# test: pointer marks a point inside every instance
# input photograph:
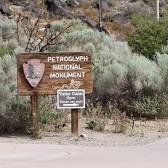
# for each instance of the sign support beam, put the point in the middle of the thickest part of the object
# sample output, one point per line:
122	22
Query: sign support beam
74	122
34	113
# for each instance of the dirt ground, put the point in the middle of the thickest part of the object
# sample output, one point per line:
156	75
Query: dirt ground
144	132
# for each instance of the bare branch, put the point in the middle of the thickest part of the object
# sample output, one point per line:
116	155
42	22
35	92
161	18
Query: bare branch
18	21
49	42
43	37
31	33
37	39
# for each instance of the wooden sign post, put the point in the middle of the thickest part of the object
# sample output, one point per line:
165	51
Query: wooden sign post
74	122
34	108
45	73
74	100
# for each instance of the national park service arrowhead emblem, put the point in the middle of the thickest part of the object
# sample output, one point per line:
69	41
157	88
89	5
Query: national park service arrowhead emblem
34	71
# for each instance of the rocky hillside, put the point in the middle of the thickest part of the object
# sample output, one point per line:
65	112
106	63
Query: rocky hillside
117	14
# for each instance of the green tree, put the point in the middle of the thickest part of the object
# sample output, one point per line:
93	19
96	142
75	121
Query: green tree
149	36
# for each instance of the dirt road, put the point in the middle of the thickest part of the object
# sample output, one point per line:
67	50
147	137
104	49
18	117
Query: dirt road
54	156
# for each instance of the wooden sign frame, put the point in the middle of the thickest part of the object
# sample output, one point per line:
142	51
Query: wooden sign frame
44	73
52	80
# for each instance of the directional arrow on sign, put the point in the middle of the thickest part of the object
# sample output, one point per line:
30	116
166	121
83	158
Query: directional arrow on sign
69	105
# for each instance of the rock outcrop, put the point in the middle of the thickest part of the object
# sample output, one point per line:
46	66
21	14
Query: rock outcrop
57	8
4	9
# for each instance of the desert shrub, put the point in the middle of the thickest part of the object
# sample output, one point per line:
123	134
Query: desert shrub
45	117
116	68
19	117
162	60
119	121
149	36
150	2
96	125
77	25
91	125
8	82
152	107
111	3
14	110
93	111
8	47
8	36
96	110
57	26
142	76
4	51
120	76
49	116
137	7
7	28
97	117
47	113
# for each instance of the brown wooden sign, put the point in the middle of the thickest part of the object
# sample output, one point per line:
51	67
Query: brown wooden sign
45	73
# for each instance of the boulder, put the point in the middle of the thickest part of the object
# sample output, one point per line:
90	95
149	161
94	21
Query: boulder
72	3
117	17
75	3
80	14
105	5
83	136
55	7
18	2
163	4
4	9
31	7
92	23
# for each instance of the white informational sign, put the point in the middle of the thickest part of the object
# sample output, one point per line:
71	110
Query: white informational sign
71	99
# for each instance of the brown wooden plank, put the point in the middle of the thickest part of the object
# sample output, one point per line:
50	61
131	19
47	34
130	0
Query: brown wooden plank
74	122
48	86
34	106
